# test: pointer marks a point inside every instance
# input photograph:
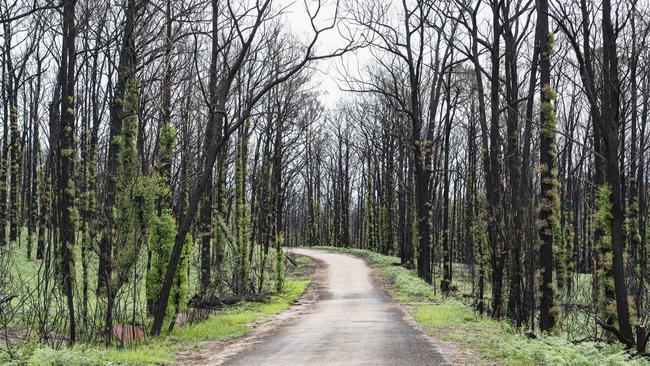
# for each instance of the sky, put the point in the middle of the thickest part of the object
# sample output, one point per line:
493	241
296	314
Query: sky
327	75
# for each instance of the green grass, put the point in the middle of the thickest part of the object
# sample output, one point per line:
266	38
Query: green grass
156	352
153	352
23	277
230	323
234	321
448	319
497	341
406	287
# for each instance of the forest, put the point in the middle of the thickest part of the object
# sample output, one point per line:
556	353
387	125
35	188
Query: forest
157	156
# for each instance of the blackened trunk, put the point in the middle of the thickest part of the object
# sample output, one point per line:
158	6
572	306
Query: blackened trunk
66	157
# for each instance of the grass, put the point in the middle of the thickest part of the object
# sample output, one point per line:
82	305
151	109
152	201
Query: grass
230	323
24	277
406	287
490	341
234	321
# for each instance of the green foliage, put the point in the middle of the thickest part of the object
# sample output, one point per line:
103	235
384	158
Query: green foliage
603	221
220	225
635	247
166	151
562	256
549	119
224	325
16	164
154	352
453	321
62	357
370	213
480	236
161	244
242	220
632	222
180	290
448	313
550	45
127	168
167	141
224	235
135	195
548	225
519	350
134	211
279	264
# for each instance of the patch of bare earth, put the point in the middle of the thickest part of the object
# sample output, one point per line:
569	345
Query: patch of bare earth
216	352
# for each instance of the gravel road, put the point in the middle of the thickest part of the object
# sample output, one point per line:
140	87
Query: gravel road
352	323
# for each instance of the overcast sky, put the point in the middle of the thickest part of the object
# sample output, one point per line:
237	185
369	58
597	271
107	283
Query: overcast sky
298	22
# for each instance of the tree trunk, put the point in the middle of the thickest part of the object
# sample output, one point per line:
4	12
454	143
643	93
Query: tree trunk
549	204
66	158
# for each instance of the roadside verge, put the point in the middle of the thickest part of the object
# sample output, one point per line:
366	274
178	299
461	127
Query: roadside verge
468	338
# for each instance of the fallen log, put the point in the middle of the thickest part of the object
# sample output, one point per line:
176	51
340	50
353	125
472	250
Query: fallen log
214	302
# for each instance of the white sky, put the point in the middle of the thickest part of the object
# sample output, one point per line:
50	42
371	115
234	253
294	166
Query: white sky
327	74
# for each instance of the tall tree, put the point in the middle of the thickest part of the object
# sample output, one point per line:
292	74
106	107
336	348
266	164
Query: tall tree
125	72
548	222
66	162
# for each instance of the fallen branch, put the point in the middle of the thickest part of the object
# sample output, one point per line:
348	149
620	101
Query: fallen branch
214	302
582	340
295	264
530	334
628	343
7	299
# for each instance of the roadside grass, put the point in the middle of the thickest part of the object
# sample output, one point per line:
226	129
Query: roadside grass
493	342
232	322
27	280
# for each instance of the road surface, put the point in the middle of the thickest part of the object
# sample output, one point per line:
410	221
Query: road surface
352	324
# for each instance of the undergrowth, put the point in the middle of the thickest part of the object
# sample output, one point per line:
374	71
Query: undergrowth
448	319
227	324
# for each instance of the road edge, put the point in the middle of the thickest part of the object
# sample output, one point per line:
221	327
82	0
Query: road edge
217	352
406	310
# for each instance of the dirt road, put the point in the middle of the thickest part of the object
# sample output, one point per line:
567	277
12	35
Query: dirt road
353	323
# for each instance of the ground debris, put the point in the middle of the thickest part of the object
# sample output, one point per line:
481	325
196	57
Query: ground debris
216	302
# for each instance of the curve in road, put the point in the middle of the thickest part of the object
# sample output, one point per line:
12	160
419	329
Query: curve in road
352	324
